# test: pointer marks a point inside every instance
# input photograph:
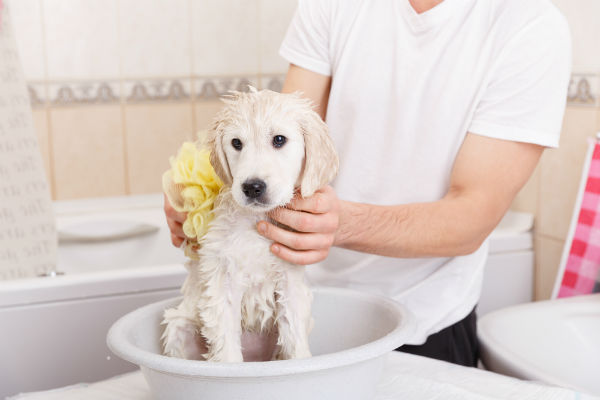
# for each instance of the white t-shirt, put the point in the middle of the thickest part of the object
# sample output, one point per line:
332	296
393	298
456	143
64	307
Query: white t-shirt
406	88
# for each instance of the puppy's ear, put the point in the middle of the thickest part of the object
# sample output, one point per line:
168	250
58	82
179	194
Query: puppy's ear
320	160
218	160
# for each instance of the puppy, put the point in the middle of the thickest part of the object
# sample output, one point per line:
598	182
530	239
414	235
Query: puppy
264	146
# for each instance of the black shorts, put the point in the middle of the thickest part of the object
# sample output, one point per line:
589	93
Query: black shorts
456	344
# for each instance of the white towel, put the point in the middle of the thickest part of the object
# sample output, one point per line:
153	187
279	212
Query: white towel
406	377
409	377
131	386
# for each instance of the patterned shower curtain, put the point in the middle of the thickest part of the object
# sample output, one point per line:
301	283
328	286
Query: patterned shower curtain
579	272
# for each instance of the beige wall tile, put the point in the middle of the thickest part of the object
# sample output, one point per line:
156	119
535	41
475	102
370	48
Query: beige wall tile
205	113
154	133
527	199
561	172
548	252
40	123
87	144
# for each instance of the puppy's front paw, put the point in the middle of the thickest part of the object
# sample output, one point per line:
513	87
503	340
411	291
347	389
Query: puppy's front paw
230	356
180	338
294	354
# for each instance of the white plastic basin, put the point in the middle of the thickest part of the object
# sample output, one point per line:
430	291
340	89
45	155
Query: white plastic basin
556	342
352	333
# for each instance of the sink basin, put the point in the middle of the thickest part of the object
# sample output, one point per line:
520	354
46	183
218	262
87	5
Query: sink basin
555	341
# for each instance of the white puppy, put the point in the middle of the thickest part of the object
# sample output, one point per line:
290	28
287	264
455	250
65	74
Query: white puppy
264	146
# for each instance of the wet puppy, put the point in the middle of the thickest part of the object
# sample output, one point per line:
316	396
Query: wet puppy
265	146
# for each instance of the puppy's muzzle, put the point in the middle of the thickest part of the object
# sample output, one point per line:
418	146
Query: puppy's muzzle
254	188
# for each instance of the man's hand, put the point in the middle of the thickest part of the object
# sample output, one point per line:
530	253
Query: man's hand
316	221
175	221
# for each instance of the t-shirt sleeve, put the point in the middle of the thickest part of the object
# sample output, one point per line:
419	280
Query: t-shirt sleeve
526	96
306	42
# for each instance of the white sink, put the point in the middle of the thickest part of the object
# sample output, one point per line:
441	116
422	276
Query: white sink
556	342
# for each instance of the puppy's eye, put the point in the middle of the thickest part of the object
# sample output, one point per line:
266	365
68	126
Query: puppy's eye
279	140
236	143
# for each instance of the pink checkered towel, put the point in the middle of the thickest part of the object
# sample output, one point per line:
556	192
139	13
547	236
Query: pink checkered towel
579	271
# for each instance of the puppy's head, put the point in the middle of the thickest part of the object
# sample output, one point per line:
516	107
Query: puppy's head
265	145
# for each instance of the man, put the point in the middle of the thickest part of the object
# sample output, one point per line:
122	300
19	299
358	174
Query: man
440	111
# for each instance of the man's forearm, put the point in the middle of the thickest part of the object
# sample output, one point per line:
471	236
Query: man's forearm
449	227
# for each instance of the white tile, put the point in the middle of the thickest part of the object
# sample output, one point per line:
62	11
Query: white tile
155	38
225	37
26	18
275	17
81	39
585	31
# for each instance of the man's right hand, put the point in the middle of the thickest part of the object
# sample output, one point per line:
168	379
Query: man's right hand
175	221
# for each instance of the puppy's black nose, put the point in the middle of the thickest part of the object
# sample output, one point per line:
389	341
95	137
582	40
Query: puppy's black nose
254	188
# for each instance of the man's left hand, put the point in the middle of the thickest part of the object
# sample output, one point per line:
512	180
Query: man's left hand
315	220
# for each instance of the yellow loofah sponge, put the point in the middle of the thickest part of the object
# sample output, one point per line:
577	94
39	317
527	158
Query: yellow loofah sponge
191	185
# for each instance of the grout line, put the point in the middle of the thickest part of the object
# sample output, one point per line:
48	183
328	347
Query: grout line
108	79
125	149
258	45
536	258
582	105
191	77
538	212
126	178
119	39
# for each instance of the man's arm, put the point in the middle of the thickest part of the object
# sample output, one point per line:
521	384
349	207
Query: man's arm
486	176
312	85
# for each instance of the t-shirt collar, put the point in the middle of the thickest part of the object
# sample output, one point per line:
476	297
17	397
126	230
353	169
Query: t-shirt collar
430	18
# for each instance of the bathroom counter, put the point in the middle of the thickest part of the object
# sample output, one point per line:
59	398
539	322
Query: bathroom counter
405	377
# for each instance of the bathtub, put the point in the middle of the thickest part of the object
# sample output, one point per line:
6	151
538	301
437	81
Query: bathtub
115	255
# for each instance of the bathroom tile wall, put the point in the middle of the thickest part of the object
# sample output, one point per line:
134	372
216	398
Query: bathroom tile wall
147	139
552	190
116	85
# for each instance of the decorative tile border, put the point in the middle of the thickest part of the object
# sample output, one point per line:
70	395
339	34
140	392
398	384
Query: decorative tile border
213	88
272	82
87	92
37	94
142	91
157	90
584	90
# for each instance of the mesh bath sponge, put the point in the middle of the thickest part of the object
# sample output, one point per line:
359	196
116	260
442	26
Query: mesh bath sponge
191	185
